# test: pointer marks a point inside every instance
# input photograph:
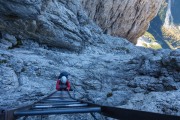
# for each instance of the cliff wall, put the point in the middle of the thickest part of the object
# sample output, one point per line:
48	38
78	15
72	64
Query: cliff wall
175	11
50	21
58	23
124	18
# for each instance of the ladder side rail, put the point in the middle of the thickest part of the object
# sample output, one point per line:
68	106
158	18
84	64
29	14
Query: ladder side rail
9	114
128	114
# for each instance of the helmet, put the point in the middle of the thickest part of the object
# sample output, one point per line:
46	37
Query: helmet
63	79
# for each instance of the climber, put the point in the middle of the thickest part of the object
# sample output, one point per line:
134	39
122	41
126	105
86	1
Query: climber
63	82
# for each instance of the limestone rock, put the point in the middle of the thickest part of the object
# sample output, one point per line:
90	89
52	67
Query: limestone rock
8	80
125	18
158	103
10	38
56	23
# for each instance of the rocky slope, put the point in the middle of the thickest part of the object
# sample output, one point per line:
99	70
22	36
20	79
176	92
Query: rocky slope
108	74
105	70
123	18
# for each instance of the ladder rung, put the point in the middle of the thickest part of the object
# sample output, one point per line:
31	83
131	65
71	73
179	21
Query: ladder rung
65	103
61	111
63	99
45	101
59	106
58	97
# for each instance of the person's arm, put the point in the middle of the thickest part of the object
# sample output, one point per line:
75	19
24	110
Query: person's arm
57	85
68	85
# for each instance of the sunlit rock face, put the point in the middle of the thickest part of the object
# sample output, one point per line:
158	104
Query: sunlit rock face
124	18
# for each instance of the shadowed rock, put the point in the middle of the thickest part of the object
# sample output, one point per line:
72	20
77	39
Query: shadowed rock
60	24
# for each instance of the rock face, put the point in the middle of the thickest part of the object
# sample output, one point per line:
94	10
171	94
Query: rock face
175	8
50	21
57	23
124	18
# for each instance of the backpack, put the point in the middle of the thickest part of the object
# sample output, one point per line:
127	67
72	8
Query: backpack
64	74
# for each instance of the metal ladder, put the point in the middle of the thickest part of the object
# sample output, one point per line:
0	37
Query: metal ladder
59	102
